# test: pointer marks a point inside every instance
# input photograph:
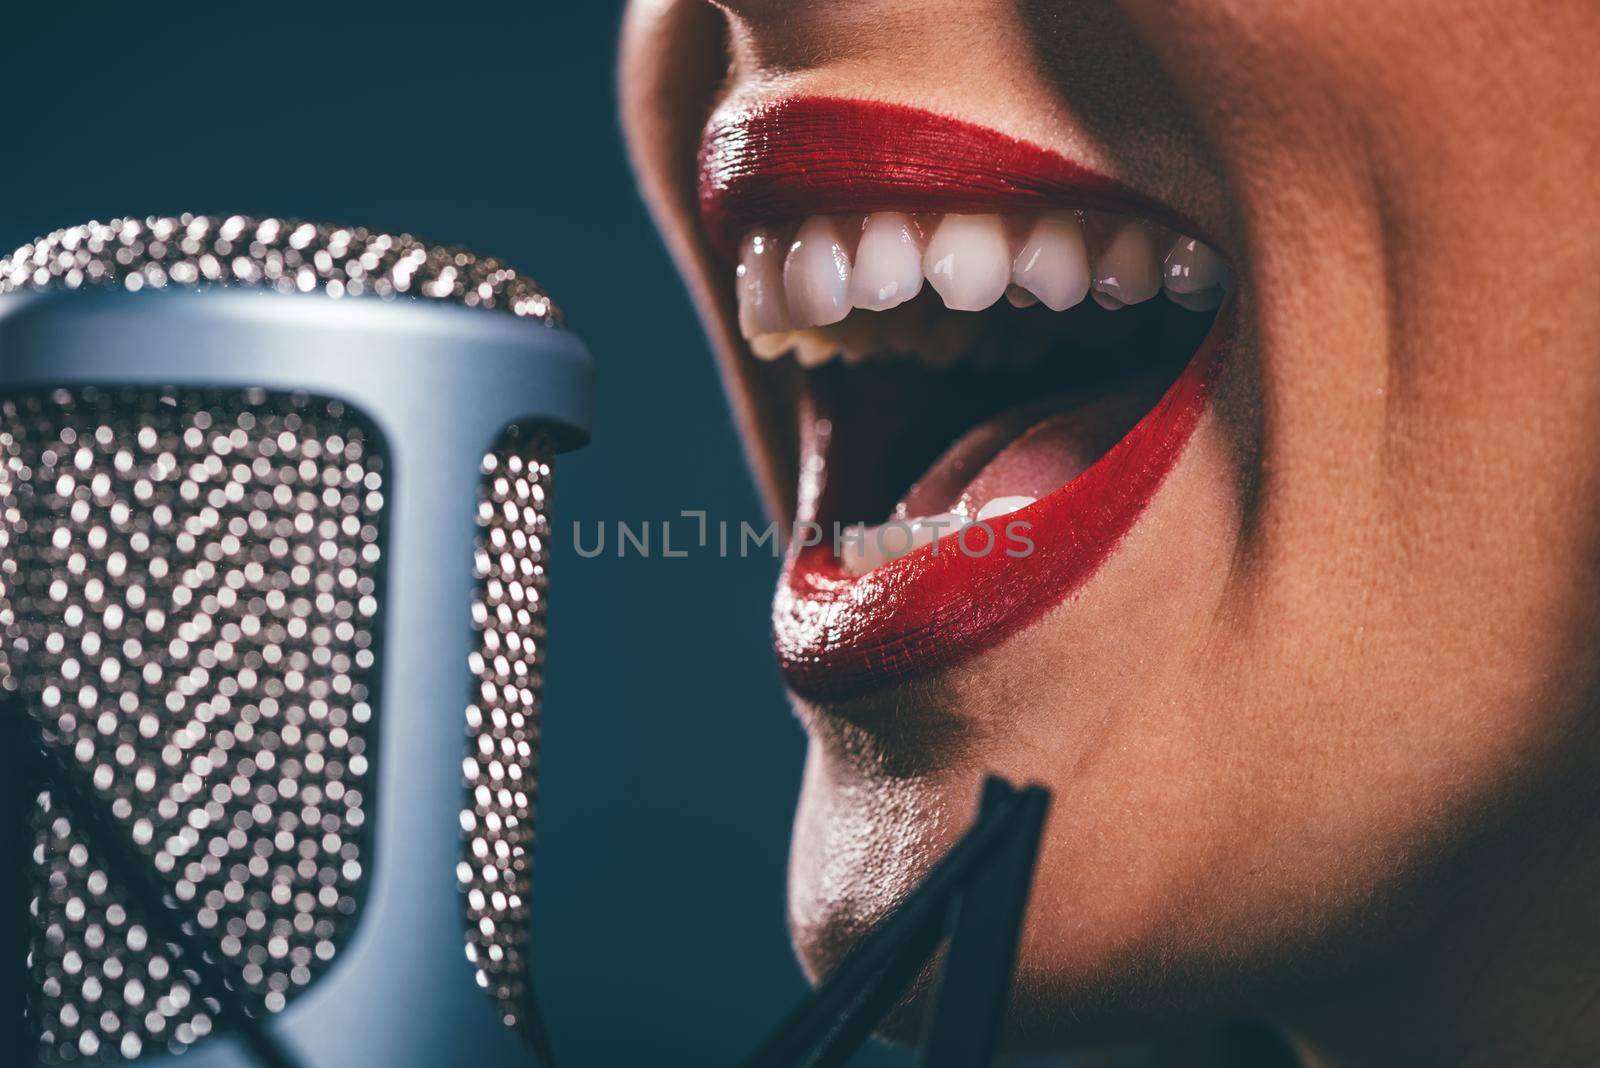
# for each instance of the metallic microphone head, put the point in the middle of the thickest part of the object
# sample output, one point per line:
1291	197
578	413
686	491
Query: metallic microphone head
250	537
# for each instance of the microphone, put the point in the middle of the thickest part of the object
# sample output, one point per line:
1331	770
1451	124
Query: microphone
274	507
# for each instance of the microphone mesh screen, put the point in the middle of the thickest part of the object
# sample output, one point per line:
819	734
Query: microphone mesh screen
503	720
189	583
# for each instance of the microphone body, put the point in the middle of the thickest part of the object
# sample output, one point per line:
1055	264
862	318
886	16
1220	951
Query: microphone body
260	549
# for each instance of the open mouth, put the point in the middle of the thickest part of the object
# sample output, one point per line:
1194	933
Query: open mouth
993	358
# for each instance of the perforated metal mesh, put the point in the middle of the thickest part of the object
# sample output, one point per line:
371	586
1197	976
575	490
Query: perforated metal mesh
503	721
107	988
188	587
288	255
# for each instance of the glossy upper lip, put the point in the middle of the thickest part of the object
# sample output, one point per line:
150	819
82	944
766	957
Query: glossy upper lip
778	160
838	637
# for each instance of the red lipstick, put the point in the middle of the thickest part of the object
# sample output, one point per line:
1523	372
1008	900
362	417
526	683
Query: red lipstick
839	636
784	160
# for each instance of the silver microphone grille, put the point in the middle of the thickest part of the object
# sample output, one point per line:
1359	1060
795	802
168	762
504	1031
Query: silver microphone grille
188	586
503	721
287	255
193	611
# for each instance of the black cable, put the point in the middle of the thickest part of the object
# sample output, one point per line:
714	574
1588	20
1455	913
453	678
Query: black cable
839	1015
534	1031
18	792
131	868
975	984
872	1000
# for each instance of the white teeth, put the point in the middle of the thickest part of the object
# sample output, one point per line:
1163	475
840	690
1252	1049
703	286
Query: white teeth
929	529
867	548
798	299
888	265
1191	267
1126	271
1003	506
762	306
1054	264
969	261
816	274
859	552
1193	276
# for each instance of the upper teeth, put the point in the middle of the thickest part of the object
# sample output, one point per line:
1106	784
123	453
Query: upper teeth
1192	271
876	262
763	307
968	261
1054	264
1126	272
888	263
816	274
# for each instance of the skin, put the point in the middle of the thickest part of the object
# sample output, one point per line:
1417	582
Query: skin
1321	735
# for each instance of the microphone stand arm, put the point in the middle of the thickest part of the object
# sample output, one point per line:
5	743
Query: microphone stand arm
977	895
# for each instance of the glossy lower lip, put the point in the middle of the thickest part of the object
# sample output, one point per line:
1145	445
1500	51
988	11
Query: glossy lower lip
839	637
783	160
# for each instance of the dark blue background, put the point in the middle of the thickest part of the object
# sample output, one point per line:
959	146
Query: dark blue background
671	763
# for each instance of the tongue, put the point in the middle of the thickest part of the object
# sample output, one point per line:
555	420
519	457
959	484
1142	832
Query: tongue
1027	452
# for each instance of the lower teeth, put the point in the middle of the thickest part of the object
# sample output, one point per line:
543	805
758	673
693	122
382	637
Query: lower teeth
866	548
